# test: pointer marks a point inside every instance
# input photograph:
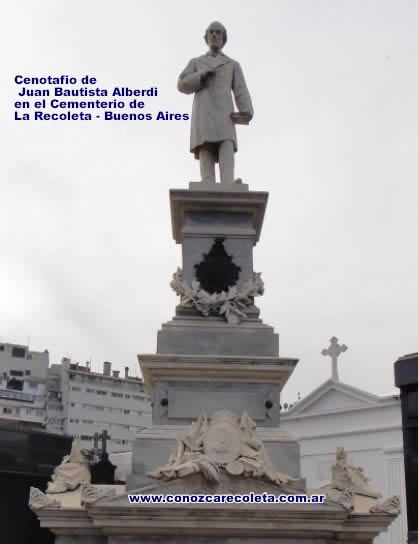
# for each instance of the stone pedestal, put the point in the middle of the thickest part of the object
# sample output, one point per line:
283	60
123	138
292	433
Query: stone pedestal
203	363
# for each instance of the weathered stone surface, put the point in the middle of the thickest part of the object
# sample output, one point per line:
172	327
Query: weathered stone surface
212	78
198	368
217	203
185	336
180	401
391	506
223	187
345	476
153	446
38	500
71	472
225	442
90	494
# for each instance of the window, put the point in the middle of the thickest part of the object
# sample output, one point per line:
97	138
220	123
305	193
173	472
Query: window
28	411
127	396
16	373
87	421
73	405
119	395
34	386
76	389
39	413
101	392
29	356
89	390
27	372
126	426
15	384
19	352
1	348
7	410
126	411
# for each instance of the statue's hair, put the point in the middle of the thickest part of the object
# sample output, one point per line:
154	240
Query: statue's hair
219	25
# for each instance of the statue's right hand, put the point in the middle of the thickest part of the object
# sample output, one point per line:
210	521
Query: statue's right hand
205	74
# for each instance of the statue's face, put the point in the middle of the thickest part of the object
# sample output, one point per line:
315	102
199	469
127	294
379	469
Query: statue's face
215	37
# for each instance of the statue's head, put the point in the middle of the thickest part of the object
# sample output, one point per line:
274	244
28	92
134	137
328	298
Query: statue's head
215	35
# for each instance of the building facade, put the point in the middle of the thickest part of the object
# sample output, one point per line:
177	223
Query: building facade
369	427
93	402
23	393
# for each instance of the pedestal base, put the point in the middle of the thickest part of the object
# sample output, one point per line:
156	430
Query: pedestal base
152	447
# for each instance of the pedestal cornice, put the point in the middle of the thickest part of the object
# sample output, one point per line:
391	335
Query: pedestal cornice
276	370
185	200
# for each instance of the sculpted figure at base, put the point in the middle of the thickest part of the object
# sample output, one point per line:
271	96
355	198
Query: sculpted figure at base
211	78
226	443
345	476
71	472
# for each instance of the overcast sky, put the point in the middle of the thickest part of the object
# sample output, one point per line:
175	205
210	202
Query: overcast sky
85	230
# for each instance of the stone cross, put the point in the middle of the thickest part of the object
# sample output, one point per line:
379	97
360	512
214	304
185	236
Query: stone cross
104	437
334	350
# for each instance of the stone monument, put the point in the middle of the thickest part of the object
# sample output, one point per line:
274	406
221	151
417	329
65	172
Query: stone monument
216	377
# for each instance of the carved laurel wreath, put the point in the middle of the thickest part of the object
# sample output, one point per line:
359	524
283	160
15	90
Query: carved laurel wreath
229	303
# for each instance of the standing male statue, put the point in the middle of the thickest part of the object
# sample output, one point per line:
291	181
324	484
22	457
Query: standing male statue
212	77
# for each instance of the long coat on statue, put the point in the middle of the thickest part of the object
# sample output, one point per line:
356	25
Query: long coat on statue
212	104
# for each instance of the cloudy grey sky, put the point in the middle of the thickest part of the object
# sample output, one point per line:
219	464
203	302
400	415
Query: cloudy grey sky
85	235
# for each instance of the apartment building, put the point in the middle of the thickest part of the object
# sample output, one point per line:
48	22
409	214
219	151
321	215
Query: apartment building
93	402
23	377
69	398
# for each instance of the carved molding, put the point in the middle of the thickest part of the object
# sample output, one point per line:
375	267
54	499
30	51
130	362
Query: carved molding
39	500
90	494
391	507
231	303
345	476
343	498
